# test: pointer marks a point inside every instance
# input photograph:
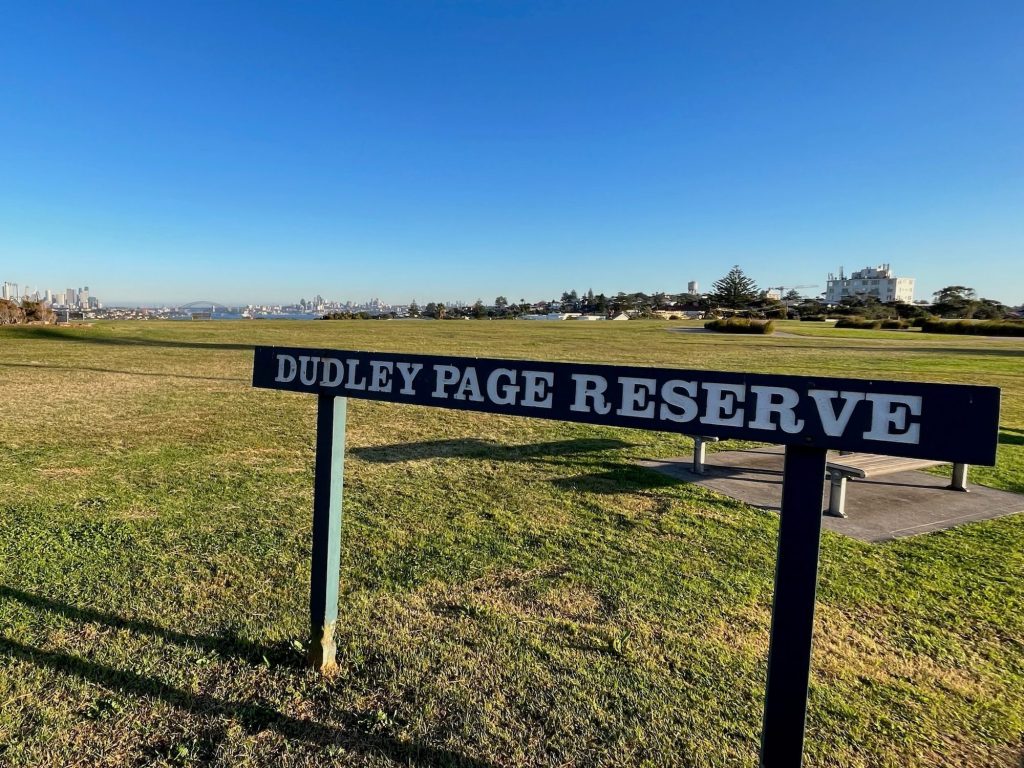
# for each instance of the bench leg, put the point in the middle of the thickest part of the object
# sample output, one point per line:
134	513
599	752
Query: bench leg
959	480
837	495
699	455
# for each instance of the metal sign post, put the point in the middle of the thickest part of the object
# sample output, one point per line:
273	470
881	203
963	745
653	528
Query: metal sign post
809	415
326	560
796	580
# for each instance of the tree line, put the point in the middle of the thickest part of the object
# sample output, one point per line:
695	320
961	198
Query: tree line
734	293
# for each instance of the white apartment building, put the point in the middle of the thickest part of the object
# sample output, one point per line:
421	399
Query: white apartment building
876	282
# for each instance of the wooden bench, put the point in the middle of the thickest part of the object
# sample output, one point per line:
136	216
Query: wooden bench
865	465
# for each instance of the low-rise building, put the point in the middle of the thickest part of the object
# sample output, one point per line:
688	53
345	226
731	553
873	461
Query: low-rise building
870	282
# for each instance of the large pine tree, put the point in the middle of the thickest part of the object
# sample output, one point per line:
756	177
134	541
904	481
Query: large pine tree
735	290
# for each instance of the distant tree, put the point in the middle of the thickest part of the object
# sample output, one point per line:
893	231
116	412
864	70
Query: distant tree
735	290
954	293
989	309
500	304
441	311
570	301
909	311
687	299
659	301
479	310
600	304
868	307
414	309
811	307
10	313
792	295
430	310
37	312
955	301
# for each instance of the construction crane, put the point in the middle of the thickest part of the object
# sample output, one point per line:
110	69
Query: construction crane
782	289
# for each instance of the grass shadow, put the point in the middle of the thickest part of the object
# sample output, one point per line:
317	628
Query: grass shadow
982	351
50	333
471	448
253	716
280	654
618	478
1006	438
80	368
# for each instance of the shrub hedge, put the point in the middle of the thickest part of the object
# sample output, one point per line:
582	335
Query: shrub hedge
741	325
860	323
975	328
872	325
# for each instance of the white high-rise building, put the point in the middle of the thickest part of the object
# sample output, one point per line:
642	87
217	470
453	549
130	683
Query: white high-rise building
870	282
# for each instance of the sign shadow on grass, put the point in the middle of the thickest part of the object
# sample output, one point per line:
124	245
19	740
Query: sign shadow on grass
152	374
49	333
350	733
1006	438
473	448
227	644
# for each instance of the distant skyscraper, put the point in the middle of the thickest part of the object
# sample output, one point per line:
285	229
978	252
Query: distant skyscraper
83	296
69	297
5	292
49	296
692	287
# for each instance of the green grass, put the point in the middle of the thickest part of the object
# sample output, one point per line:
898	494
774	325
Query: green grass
515	591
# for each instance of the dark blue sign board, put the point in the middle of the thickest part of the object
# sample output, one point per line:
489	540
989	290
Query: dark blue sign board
944	422
808	414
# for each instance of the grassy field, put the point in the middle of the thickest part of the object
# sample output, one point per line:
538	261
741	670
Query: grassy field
514	591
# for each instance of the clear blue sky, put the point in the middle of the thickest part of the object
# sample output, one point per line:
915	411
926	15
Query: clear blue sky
253	151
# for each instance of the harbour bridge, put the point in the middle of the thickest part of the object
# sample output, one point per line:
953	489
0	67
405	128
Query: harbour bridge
205	305
204	309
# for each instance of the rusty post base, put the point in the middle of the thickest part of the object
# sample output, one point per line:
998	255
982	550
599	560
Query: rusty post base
323	651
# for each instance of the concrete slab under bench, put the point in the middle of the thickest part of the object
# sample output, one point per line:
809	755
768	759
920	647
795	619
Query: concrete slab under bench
878	509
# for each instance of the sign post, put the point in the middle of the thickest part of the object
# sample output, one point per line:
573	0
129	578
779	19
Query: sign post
326	560
809	415
796	579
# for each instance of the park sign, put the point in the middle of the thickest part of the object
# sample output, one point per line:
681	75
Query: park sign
808	414
927	421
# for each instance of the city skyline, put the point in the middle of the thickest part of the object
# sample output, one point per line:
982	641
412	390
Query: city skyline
517	148
13	290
